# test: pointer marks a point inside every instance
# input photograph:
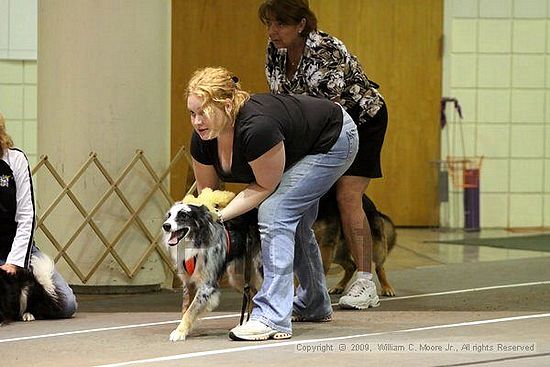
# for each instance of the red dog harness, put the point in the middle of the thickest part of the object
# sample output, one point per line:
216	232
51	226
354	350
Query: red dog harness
189	264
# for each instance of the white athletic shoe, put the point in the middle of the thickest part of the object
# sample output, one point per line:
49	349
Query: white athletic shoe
255	330
360	295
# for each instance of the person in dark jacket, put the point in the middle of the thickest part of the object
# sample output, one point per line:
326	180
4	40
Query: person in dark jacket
18	218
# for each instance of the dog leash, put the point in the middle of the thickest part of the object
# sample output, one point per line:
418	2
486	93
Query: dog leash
247	266
246	289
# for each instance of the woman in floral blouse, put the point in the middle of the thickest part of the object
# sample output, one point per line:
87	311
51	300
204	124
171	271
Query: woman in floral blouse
303	60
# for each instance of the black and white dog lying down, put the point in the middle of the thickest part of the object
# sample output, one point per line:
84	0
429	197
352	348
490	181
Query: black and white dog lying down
29	294
203	249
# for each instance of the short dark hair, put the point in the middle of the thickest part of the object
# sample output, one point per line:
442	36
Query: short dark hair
288	12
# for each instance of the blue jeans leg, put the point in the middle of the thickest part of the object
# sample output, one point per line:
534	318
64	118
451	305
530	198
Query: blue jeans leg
69	304
68	299
279	215
312	300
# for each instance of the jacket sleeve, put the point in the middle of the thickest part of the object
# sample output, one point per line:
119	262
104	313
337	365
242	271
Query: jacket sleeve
25	212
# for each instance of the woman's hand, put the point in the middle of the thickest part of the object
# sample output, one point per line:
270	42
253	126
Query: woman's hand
9	268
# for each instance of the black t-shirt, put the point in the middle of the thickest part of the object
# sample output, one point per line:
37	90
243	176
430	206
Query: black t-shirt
307	125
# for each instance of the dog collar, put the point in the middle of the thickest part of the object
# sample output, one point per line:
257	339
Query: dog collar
189	264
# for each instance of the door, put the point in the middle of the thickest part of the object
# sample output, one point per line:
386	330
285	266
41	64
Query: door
398	42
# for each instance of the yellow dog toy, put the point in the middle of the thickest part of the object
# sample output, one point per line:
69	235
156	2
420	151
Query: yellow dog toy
212	199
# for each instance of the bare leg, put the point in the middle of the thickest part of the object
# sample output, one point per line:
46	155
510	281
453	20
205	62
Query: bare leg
349	193
362	293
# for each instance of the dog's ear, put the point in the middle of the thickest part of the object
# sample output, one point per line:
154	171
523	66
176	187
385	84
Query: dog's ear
204	210
202	217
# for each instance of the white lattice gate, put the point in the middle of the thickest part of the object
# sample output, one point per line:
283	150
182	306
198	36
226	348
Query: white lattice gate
111	240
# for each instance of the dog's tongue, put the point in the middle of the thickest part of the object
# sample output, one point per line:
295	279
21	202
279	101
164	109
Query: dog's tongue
173	239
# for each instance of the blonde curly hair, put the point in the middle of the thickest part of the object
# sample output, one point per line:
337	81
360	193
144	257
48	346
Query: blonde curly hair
5	140
216	85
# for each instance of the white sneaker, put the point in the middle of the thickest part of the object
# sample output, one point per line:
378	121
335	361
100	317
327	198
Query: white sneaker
360	295
255	330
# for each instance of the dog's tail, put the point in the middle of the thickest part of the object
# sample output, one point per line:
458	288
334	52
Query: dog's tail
391	234
43	270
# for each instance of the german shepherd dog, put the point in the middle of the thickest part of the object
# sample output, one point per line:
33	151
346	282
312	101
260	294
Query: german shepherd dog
328	232
203	249
29	294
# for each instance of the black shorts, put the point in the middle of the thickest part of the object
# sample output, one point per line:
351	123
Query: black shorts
371	138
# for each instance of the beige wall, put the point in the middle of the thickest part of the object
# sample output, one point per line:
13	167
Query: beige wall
103	86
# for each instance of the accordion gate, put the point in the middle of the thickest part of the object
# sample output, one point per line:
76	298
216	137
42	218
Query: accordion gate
87	215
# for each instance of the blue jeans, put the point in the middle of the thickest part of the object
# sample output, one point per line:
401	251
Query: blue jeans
68	298
288	243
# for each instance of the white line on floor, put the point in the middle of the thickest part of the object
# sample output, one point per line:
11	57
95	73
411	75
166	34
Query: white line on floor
110	328
237	315
466	290
309	341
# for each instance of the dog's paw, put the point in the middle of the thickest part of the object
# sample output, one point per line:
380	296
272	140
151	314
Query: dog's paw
387	291
27	316
177	335
335	290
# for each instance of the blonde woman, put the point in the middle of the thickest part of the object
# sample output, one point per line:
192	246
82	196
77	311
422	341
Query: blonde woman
17	218
289	150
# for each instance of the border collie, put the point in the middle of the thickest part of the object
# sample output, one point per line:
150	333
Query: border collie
203	249
29	294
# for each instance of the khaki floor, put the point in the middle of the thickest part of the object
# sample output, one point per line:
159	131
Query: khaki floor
455	306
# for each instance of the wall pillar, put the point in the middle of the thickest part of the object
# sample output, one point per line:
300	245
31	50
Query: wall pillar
104	87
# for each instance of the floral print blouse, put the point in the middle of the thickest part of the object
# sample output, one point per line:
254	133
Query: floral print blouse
328	70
